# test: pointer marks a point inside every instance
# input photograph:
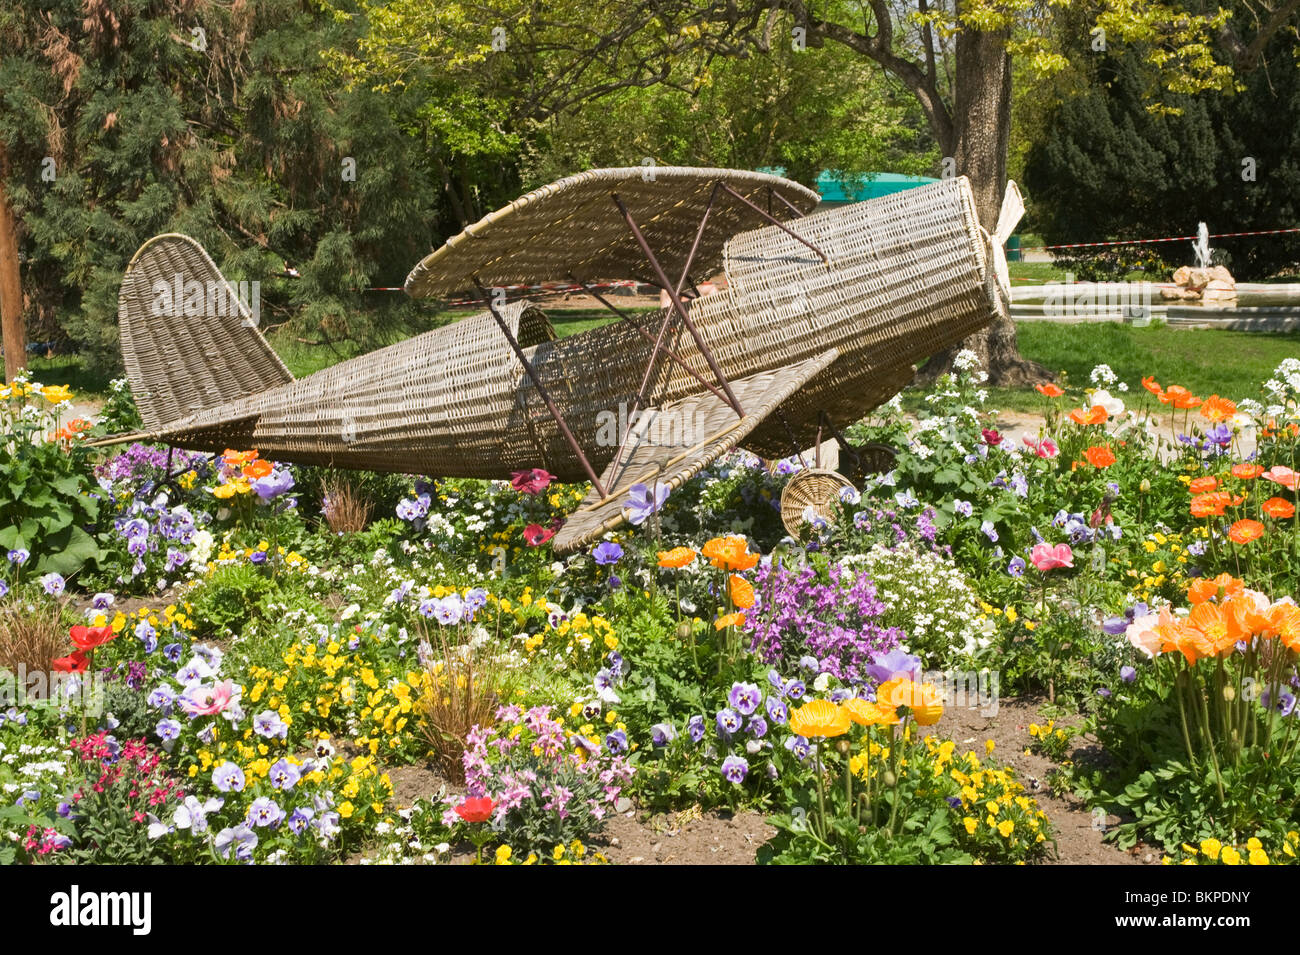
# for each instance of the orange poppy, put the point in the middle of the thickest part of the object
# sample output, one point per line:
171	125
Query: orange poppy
921	699
1284	620
1188	641
730	620
1153	386
1245	531
1218	409
1049	390
729	553
1100	456
1278	508
1203	485
1207	588
1220	626
1247	470
741	592
863	712
1179	397
234	459
819	718
1212	504
1088	416
677	557
1271	429
257	469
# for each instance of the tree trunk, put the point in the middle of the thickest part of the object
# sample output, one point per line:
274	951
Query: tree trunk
982	127
11	292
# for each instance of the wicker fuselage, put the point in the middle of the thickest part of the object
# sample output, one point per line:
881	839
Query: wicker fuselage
908	276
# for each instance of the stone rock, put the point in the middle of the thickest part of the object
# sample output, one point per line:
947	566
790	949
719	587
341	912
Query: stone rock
1169	294
1220	273
1182	276
1220	293
623	805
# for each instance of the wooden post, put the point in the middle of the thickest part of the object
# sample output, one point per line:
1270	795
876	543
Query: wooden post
11	292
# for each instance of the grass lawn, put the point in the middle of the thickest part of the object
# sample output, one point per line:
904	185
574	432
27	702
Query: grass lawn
1208	361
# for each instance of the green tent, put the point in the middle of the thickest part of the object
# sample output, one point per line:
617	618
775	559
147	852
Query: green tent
839	188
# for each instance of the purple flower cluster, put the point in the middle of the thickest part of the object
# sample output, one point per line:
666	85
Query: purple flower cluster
146	463
835	620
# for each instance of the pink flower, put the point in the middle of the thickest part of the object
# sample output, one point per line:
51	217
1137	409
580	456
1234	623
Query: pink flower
1046	557
1044	448
991	437
1282	475
1146	633
531	481
207	700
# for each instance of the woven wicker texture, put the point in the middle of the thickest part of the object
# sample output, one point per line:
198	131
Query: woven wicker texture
573	226
816	488
671	444
908	277
188	342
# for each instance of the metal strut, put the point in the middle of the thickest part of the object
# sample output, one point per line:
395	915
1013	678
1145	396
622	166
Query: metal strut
677	305
776	222
634	323
541	390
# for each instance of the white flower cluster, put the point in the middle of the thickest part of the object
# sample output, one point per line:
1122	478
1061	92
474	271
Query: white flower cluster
931	600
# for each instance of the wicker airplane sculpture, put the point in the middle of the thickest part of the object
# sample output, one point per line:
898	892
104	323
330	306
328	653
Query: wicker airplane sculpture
820	320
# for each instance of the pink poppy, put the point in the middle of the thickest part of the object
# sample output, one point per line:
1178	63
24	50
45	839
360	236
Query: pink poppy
1142	633
531	481
1282	475
207	700
1045	448
1046	557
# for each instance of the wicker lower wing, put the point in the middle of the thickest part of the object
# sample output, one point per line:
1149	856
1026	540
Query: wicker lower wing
656	453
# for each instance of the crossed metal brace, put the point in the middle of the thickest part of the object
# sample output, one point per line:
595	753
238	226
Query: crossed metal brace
677	308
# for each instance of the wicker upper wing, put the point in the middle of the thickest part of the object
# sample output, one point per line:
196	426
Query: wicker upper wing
573	227
671	444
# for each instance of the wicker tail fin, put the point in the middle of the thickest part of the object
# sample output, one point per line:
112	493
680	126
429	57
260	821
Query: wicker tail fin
189	338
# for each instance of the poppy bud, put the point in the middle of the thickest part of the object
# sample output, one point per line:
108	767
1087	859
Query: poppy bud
889	779
684	630
843	746
1144	486
1229	693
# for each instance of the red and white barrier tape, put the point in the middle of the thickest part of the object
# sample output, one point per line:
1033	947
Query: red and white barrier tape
1172	238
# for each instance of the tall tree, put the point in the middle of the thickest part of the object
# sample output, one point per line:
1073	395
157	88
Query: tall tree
954	56
125	119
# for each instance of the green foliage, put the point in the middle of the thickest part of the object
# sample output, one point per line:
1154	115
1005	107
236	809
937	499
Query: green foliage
46	505
227	600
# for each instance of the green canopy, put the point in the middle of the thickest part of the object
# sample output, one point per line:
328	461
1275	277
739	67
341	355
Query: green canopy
837	188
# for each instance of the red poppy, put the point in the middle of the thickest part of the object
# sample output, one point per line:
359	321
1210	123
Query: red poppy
536	534
531	481
87	638
476	809
991	437
75	662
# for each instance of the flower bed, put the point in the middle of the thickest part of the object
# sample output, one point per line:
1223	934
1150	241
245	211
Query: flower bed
221	674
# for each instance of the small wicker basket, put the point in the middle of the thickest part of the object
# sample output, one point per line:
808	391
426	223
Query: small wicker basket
859	462
818	488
